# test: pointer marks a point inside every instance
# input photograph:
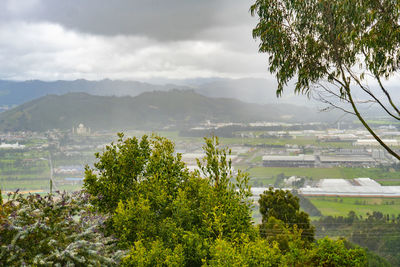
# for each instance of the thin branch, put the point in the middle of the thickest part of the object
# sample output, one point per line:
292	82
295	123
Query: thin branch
332	92
357	113
387	95
371	94
333	105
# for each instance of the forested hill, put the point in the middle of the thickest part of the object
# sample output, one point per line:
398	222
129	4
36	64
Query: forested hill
148	110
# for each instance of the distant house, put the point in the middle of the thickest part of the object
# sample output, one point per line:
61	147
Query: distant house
81	130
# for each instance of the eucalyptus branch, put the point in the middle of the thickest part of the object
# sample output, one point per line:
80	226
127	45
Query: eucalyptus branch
387	95
366	90
332	105
377	138
332	93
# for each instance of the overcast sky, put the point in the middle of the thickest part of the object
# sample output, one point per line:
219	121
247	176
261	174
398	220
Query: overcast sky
128	39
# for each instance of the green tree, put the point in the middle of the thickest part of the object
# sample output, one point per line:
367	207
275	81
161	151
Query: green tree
335	253
283	206
334	48
163	212
118	171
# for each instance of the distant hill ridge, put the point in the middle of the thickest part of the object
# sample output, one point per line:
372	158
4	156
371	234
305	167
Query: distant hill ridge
251	90
149	110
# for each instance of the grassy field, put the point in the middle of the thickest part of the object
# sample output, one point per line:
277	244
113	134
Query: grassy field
340	206
301	141
39	183
320	173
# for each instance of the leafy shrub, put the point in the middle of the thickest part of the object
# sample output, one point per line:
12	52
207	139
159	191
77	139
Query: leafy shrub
163	206
54	229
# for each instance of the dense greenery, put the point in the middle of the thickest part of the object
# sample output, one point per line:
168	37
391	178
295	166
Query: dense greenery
376	231
284	206
159	207
166	215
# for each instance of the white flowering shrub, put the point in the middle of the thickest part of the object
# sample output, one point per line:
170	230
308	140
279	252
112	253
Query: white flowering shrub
54	230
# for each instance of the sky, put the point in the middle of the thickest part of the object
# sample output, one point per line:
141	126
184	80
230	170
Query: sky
128	40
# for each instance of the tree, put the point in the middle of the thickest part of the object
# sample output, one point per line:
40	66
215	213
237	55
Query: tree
284	206
163	213
334	48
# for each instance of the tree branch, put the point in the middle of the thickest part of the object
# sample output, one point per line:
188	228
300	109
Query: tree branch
361	119
387	95
371	94
377	138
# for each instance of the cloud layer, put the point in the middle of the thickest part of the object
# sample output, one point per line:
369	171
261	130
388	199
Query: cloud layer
127	39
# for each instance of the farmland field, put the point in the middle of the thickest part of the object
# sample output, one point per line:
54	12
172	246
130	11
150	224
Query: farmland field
320	173
340	206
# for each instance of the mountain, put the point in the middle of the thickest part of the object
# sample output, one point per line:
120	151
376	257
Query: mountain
149	110
261	91
252	90
17	92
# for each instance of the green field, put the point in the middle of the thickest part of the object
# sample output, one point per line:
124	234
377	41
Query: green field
301	141
340	206
320	173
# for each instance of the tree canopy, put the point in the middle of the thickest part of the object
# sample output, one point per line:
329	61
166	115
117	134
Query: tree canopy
334	49
284	206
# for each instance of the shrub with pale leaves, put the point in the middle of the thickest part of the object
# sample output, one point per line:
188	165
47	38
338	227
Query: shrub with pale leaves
54	230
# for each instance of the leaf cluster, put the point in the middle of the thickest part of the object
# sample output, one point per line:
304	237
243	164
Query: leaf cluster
54	230
162	210
321	39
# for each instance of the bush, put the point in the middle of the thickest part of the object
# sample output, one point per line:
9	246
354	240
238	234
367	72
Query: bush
55	229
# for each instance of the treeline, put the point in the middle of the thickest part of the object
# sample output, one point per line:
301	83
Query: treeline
376	231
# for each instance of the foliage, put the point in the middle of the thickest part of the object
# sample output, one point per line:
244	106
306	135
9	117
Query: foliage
378	232
261	252
248	253
169	216
163	211
55	230
284	206
333	45
335	253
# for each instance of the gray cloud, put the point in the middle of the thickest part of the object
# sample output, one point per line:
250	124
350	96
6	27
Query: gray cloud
158	19
127	39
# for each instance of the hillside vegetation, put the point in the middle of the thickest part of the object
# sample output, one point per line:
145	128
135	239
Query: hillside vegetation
146	111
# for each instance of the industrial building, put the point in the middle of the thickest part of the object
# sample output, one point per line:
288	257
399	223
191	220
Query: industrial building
289	161
347	161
